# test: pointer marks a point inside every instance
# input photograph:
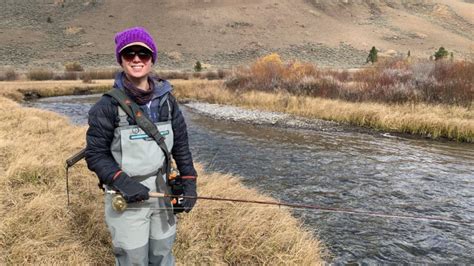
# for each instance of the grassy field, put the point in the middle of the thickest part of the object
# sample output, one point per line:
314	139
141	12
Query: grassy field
37	226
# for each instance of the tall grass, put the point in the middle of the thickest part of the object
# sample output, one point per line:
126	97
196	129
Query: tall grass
8	73
40	74
37	227
390	81
74	71
101	73
209	75
433	121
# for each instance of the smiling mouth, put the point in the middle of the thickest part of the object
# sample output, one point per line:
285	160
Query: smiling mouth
137	69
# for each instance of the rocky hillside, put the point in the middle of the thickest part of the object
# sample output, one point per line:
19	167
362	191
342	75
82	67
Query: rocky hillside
223	33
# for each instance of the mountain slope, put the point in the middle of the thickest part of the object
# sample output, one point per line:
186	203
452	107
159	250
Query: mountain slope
228	32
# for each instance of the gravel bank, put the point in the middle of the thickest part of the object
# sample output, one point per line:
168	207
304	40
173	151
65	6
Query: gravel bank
257	117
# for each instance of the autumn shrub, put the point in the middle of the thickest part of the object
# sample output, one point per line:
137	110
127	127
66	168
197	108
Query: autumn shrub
70	75
86	77
454	82
40	74
269	73
221	73
342	75
435	82
390	80
8	74
73	66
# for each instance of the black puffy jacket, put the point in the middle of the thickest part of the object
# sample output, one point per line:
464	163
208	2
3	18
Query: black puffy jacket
103	119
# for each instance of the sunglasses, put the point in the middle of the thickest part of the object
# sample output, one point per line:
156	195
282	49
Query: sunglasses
129	55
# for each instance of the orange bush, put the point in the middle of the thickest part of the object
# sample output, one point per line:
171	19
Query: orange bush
394	80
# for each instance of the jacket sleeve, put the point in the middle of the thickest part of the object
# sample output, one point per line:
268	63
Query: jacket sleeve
99	138
181	153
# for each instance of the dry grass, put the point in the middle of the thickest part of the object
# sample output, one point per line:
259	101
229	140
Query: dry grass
186	75
435	121
242	233
18	90
37	227
74	71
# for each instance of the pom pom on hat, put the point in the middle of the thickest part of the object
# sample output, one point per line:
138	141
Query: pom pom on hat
134	36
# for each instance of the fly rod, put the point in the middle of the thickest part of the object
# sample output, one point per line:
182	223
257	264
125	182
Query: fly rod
119	204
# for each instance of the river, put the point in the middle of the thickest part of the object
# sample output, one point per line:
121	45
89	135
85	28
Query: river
346	168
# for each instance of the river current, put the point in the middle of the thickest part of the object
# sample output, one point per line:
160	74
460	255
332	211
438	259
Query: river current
348	169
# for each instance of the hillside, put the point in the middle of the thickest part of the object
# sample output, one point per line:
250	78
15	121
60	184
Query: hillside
224	33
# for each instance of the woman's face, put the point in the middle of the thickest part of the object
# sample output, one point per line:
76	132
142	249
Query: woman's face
136	61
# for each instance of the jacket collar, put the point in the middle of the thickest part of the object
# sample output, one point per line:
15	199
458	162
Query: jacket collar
160	86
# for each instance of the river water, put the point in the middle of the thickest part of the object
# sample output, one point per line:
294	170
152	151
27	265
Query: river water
343	169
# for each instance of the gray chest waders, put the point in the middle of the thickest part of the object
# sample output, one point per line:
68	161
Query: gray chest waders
142	150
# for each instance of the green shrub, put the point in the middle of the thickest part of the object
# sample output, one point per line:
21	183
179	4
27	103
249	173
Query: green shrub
441	53
372	57
198	66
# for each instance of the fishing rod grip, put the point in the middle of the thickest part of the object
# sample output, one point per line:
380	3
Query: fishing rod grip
76	158
156	195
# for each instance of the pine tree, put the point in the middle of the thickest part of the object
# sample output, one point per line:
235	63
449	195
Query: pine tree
197	66
441	53
372	55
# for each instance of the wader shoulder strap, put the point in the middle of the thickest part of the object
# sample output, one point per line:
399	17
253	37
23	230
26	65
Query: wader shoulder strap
134	111
162	101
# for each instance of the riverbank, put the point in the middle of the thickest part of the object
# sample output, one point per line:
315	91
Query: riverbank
430	121
37	227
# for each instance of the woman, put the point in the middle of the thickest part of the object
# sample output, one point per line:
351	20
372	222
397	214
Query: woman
128	161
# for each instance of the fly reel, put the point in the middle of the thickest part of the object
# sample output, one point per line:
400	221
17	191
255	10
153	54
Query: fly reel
118	203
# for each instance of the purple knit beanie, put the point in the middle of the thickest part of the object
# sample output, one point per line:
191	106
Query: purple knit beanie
134	36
